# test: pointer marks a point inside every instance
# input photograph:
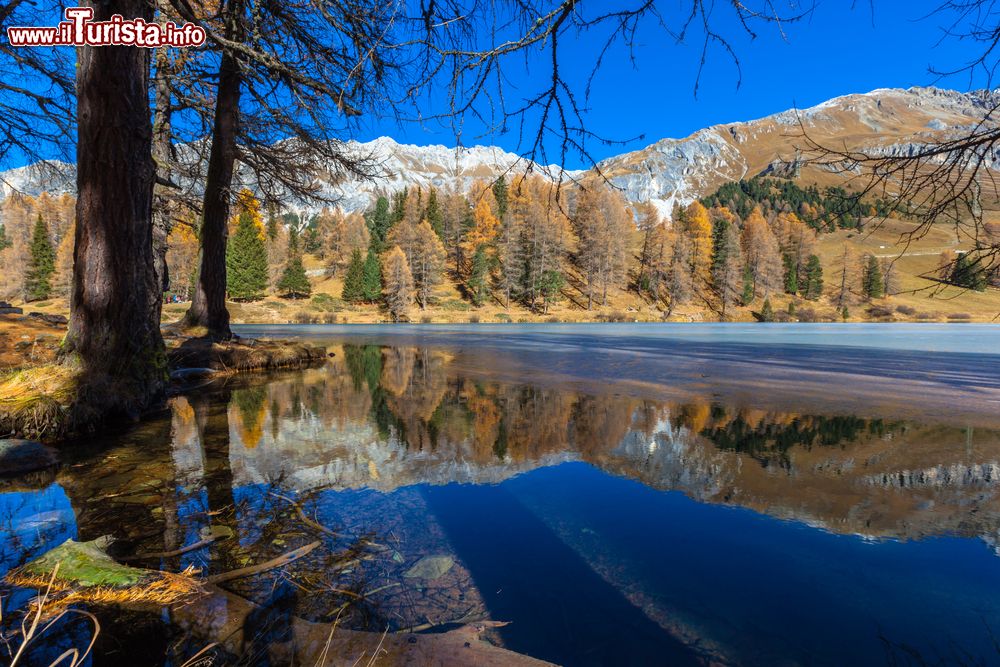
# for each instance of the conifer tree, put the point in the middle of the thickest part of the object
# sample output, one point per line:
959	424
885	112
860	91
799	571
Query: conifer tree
791	274
246	259
680	272
38	282
873	278
747	296
767	311
379	222
354	280
479	275
372	277
398	284
550	285
433	214
699	230
814	279
500	194
4	241
968	273
294	283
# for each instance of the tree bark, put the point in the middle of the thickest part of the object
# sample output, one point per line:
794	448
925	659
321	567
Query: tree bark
208	308
162	158
114	329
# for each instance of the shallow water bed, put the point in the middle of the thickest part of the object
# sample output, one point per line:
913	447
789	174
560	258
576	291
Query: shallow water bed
608	522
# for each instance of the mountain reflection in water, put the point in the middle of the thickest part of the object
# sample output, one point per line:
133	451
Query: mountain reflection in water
609	529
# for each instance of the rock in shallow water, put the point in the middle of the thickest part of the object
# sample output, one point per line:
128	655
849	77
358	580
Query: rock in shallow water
430	567
18	457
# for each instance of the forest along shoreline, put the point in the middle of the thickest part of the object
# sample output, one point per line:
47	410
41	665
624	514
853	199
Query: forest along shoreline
39	399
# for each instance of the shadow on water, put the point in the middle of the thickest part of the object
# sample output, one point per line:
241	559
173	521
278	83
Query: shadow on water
565	612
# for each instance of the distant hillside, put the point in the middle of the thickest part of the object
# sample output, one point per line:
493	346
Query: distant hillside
667	172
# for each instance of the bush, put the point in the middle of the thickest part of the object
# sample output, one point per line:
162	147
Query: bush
616	316
426	319
959	316
906	310
553	320
456	305
503	317
329	318
474	319
303	317
926	316
326	302
880	312
807	315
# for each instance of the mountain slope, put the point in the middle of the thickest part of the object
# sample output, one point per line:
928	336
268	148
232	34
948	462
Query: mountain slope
667	172
885	120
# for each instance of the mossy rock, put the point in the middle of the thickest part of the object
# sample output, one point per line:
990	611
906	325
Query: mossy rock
85	565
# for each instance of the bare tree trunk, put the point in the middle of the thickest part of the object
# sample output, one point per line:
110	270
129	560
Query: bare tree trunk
208	309
114	328
162	157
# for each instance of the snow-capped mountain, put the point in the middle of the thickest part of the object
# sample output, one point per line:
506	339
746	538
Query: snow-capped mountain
669	171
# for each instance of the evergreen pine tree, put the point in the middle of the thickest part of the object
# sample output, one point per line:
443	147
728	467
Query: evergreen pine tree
38	282
791	274
294	283
767	311
246	260
433	214
4	241
479	275
814	281
844	313
379	223
500	193
872	282
968	273
372	277
720	249
354	280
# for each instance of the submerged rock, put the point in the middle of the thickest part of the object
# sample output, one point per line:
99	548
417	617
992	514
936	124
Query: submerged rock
430	567
19	457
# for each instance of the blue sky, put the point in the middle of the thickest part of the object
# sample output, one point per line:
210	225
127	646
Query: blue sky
836	51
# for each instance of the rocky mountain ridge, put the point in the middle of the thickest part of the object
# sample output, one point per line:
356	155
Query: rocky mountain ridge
667	172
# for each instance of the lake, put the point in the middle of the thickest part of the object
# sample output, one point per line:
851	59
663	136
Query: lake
620	494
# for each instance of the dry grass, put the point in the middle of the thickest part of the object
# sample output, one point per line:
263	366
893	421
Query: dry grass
161	588
36	401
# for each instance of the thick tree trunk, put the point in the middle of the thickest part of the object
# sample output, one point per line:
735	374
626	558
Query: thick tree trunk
114	329
208	309
163	158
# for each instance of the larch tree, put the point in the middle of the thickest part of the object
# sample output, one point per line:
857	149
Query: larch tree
728	271
428	262
114	329
283	74
603	226
485	226
510	256
398	284
680	279
847	277
762	255
456	222
182	260
698	228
